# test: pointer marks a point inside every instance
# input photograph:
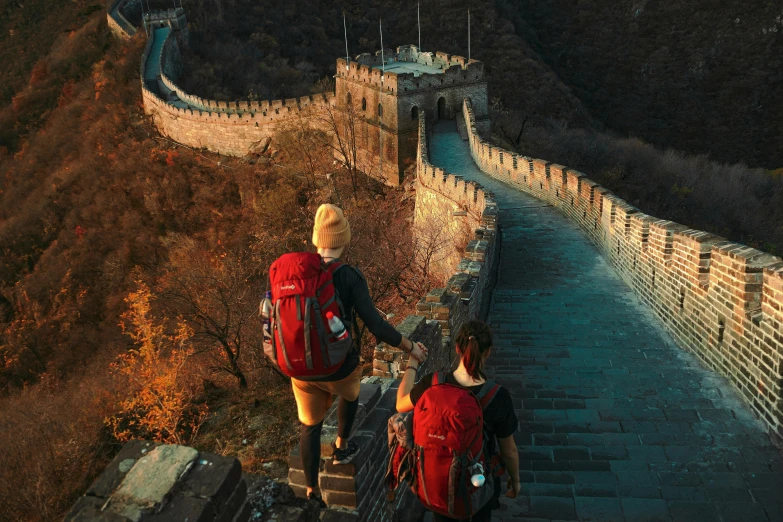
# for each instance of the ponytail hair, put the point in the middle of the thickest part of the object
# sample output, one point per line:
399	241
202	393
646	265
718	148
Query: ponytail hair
473	340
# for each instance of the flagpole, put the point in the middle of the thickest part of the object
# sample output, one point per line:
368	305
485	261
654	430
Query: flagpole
383	61
468	34
418	20
347	57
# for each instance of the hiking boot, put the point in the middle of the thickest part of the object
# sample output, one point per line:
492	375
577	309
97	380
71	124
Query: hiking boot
345	455
317	498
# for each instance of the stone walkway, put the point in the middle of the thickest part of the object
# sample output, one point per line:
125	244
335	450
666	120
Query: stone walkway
616	421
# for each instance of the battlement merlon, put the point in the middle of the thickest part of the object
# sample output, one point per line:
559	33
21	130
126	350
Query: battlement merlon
407	69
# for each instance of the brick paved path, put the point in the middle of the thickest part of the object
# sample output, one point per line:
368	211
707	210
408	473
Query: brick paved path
617	422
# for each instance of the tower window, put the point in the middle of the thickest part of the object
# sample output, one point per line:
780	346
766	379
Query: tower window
364	104
414	112
380	110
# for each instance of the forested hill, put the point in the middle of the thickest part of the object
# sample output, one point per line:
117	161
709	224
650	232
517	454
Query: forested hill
702	76
279	48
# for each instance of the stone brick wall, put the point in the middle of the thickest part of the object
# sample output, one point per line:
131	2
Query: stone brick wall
455	223
149	482
721	300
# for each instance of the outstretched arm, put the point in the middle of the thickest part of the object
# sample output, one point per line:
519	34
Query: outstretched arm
408	380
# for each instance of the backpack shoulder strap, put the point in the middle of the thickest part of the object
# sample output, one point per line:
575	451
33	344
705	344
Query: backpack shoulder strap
487	393
438	378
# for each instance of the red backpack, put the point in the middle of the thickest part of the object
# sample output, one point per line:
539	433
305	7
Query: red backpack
448	447
302	345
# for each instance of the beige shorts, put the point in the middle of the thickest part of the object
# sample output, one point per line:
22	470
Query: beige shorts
313	399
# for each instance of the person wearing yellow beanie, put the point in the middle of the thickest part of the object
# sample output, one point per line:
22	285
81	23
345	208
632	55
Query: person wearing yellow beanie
331	230
331	234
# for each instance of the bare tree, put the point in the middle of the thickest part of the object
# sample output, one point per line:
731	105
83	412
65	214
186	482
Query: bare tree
341	125
304	145
212	292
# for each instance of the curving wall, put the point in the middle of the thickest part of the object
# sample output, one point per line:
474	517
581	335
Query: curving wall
721	300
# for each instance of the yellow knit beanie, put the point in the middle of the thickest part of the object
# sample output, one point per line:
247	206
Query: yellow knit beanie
331	229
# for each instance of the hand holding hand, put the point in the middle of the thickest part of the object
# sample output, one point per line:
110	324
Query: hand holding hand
419	352
513	489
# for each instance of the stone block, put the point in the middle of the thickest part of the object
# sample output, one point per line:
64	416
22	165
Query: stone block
182	507
336	483
234	504
88	509
458	283
411	324
151	480
334	515
243	515
339	498
213	477
115	472
436	295
369	395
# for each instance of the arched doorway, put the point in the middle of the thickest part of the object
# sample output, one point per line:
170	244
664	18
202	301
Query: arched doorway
414	112
442	114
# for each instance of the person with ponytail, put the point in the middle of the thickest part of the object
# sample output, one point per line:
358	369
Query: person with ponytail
473	345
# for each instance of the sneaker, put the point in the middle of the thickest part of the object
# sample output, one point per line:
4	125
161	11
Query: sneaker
346	455
317	498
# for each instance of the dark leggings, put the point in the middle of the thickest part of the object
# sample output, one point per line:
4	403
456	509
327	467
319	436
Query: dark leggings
310	439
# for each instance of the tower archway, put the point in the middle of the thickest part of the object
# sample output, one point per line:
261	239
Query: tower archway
442	112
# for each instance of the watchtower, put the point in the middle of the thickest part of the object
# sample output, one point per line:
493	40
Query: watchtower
386	92
173	18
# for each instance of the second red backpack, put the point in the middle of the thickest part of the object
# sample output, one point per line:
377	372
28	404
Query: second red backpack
449	447
303	292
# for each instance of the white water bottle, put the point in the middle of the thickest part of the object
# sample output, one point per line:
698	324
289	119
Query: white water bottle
266	315
478	475
336	326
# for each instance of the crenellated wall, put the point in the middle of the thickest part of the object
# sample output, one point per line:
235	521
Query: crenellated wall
119	25
721	300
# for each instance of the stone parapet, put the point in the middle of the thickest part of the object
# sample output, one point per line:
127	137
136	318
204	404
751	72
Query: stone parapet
118	24
718	299
356	491
150	482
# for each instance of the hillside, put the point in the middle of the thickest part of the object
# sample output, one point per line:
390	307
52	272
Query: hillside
98	215
701	76
278	49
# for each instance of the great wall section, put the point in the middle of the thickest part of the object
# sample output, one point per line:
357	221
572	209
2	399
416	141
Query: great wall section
609	430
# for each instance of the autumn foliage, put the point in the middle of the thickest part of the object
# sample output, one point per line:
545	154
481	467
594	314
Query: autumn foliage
160	397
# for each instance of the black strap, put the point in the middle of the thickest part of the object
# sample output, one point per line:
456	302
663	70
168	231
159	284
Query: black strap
308	347
280	336
322	333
